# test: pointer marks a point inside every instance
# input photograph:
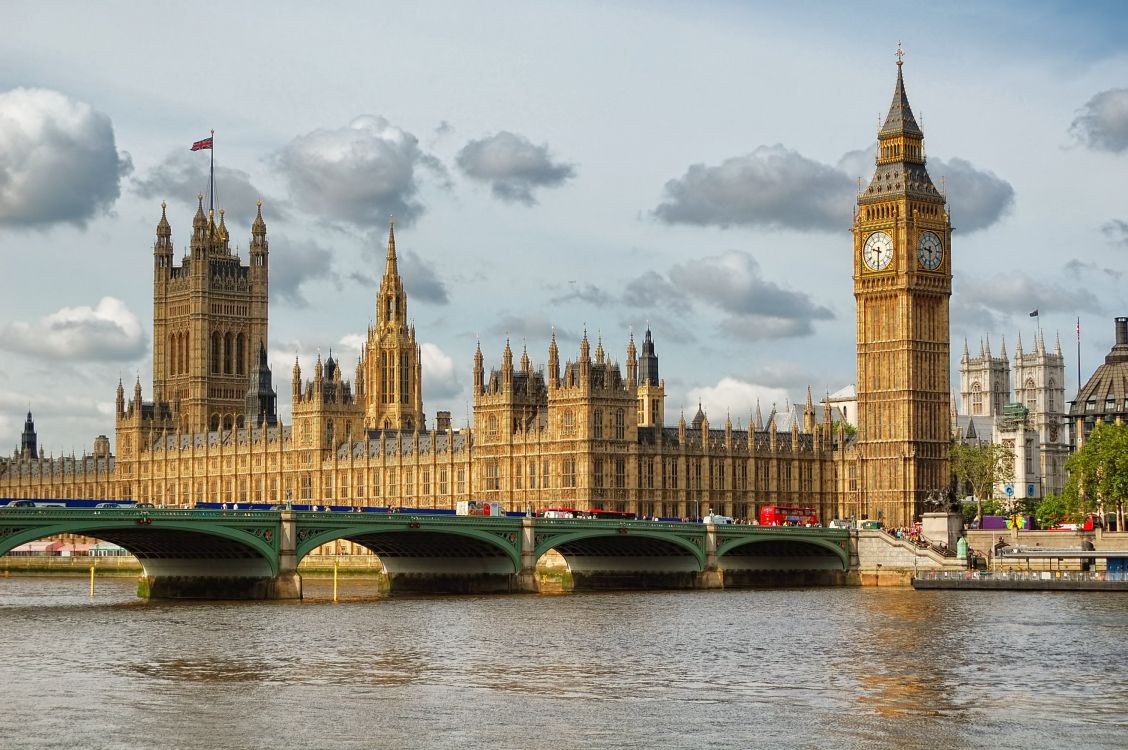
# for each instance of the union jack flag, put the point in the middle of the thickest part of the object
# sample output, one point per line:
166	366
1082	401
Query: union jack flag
201	145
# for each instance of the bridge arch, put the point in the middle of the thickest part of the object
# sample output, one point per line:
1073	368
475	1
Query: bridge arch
805	552
614	537
164	545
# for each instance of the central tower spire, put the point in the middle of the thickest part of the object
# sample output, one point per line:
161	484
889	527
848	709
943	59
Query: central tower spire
392	364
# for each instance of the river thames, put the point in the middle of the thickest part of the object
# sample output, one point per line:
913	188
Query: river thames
808	668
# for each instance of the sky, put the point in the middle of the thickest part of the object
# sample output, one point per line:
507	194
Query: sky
691	167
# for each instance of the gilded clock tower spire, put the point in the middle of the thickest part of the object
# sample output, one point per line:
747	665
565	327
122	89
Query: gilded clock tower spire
902	285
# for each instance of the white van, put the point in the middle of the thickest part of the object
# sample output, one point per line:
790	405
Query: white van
716	519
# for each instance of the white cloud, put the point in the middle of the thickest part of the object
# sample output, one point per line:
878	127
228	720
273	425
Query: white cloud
58	160
1102	123
440	376
360	174
734	397
513	166
107	331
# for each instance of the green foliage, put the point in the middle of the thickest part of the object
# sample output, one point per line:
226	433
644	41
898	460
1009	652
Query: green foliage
1055	509
1098	473
982	466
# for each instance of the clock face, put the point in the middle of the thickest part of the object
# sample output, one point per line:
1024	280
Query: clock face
878	251
930	251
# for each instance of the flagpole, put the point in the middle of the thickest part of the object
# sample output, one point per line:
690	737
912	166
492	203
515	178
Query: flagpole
211	180
1079	357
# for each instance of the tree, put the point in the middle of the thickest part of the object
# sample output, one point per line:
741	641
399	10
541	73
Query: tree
1055	509
1098	473
982	466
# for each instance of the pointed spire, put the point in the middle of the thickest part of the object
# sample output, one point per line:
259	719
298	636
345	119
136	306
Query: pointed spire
1057	343
900	120
1041	342
758	419
163	228
599	350
585	347
524	357
1018	347
966	355
1004	353
391	267
258	228
221	230
988	349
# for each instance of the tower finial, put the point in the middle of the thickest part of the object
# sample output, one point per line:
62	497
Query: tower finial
900	54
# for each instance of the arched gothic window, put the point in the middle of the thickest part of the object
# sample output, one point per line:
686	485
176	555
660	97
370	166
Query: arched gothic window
976	399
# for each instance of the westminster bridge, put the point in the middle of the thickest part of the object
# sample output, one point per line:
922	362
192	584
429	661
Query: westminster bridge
235	554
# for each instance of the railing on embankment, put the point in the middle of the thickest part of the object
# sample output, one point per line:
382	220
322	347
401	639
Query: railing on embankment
1021	580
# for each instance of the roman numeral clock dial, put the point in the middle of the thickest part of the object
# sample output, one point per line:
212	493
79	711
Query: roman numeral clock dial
878	251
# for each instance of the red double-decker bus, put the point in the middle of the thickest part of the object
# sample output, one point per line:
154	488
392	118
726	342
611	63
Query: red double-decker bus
779	515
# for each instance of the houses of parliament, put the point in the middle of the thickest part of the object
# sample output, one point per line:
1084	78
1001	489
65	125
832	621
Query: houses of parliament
583	430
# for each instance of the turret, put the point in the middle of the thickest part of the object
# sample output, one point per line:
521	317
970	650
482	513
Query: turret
632	362
296	382
162	247
507	364
260	246
120	403
28	440
199	225
479	370
553	362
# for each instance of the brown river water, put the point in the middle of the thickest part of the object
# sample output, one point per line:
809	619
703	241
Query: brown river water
805	668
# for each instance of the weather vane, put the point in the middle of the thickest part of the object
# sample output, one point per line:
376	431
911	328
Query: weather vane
900	53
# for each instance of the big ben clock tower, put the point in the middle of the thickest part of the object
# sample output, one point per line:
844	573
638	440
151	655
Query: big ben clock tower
902	283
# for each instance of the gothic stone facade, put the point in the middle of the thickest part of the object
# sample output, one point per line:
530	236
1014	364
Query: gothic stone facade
585	433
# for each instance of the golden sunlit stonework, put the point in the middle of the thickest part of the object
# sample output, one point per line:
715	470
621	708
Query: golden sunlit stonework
584	432
902	286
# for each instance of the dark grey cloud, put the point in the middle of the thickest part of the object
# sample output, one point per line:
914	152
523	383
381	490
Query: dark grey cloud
531	328
184	174
420	280
971	319
109	331
586	293
1117	231
653	291
513	166
1102	124
1016	292
295	264
977	198
758	308
359	174
1079	269
58	160
772	187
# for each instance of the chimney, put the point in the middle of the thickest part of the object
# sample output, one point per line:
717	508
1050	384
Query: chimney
1122	331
